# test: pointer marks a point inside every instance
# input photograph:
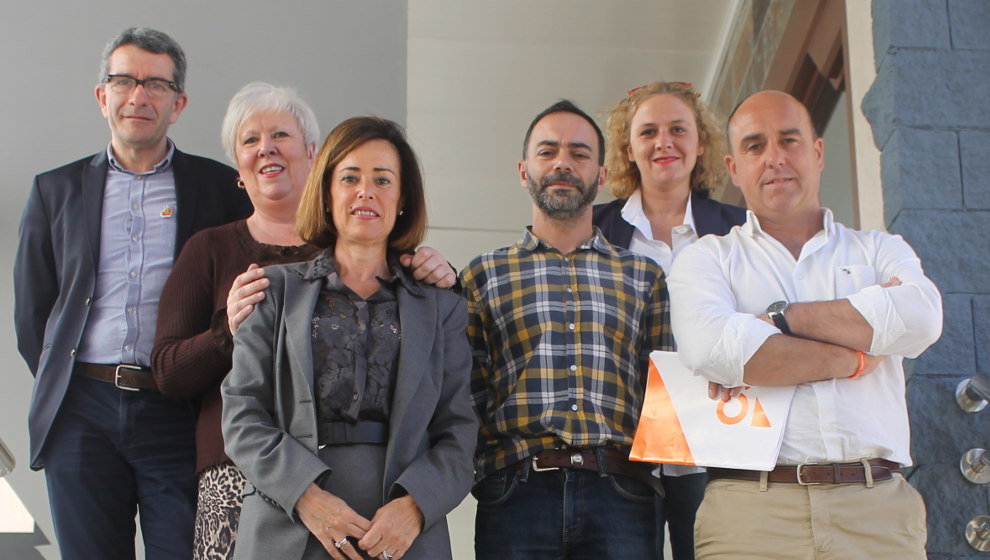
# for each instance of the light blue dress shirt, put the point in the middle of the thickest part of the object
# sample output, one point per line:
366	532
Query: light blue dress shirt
137	246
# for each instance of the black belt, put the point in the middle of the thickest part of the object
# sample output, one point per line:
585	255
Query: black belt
343	433
809	473
125	376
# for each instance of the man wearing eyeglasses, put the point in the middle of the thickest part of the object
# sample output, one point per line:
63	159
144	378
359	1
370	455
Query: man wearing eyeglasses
97	241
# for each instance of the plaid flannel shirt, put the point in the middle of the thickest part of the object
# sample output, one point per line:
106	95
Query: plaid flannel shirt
561	346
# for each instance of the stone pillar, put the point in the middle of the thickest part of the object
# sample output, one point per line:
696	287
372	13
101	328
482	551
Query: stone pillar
930	112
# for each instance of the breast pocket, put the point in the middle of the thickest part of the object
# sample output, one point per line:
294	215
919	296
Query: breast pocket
850	279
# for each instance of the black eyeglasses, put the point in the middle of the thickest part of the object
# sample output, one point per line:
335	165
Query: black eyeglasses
154	87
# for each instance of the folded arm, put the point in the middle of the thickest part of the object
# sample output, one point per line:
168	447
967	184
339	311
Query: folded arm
906	317
901	315
713	339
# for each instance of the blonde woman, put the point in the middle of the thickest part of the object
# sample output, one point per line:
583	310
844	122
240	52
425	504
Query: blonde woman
664	158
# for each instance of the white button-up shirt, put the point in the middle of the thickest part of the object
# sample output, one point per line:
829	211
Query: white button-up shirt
719	285
642	241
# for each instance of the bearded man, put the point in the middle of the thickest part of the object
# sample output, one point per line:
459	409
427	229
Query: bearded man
562	324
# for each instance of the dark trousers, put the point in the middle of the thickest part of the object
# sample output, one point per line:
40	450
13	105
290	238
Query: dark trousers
677	510
563	514
113	453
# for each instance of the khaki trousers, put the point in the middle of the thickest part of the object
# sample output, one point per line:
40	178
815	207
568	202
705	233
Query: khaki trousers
740	521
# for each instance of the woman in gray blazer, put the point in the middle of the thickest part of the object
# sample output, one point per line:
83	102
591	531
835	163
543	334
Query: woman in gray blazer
348	407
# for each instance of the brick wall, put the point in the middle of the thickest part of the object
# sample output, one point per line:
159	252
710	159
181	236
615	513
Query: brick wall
930	112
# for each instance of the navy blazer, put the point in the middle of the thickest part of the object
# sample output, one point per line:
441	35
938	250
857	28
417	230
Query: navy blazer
59	250
710	216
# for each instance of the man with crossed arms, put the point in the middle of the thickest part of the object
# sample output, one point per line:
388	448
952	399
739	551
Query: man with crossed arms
793	298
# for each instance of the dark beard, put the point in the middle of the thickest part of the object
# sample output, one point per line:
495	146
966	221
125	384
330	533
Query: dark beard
561	207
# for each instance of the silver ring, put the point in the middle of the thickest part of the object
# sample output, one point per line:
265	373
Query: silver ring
386	555
340	543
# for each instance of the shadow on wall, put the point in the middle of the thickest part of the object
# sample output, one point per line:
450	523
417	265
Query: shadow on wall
22	546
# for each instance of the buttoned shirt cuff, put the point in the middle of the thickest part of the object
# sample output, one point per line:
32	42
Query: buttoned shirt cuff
876	305
742	336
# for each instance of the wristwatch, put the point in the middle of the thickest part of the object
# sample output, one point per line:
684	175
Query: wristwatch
776	313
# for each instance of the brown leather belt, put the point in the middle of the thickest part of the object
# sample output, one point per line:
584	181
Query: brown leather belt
810	473
614	461
124	376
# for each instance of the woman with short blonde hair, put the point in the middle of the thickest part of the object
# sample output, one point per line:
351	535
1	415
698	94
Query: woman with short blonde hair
664	158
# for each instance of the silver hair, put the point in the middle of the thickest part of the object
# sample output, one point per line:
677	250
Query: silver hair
261	96
150	40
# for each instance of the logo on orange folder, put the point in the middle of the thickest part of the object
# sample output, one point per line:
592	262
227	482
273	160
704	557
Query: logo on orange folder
759	419
676	410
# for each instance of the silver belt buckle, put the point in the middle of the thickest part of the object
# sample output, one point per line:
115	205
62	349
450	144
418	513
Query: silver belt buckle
116	377
798	471
577	460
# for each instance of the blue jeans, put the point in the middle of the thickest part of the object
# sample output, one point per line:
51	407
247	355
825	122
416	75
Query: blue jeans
111	453
677	509
563	514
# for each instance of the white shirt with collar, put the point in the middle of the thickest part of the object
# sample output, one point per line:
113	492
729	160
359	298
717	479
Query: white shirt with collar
719	286
642	241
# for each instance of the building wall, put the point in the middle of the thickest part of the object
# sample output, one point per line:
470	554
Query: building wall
479	72
465	78
346	58
928	109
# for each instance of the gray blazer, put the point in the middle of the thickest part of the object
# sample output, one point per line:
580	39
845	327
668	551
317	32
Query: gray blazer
270	419
57	256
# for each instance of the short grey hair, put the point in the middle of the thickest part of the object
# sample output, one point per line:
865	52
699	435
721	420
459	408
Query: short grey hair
261	96
153	41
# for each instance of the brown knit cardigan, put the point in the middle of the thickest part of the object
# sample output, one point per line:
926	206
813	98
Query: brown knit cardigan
193	345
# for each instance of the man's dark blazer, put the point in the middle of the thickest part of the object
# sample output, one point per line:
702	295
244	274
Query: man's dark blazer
57	256
710	216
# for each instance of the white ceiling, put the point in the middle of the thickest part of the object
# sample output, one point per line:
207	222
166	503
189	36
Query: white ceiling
685	36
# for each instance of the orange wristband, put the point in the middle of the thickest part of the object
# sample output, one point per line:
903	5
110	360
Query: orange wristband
862	365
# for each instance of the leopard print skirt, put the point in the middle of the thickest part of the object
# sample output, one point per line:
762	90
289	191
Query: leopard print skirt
218	510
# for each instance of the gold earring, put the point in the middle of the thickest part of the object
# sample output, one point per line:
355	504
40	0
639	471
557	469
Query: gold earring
240	183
